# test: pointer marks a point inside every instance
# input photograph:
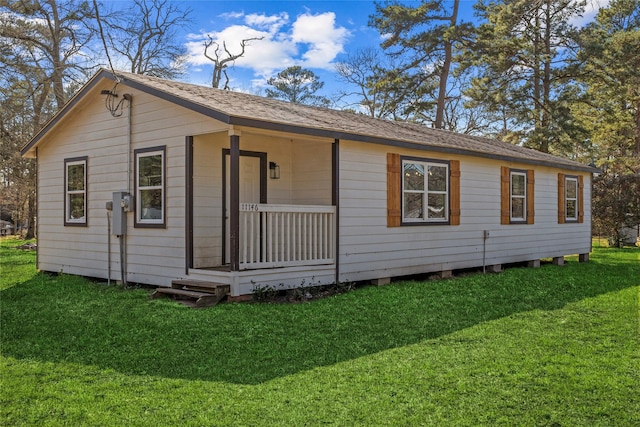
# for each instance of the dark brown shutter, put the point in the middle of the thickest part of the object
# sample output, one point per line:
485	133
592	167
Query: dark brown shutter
580	199
561	211
531	184
505	195
394	198
454	183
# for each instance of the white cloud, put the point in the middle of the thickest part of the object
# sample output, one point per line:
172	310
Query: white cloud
273	23
231	15
590	11
311	41
323	39
263	56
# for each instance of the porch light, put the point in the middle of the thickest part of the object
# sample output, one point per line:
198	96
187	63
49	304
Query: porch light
274	170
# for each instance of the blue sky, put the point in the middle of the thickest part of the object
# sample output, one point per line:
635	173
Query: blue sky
312	34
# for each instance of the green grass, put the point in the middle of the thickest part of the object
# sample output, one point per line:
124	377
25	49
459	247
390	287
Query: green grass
549	346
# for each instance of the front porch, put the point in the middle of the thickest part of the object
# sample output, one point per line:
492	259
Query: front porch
273	236
247	226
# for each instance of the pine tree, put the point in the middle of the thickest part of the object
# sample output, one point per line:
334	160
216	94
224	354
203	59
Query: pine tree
523	53
297	85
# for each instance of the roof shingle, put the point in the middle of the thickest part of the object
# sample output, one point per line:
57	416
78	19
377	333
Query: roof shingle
245	109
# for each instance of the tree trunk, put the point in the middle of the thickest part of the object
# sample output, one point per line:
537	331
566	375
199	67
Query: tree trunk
57	74
446	68
546	83
31	214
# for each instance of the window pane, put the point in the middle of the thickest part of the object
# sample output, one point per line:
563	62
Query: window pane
413	205
517	208
437	206
571	209
75	177
413	176
572	190
150	171
151	204
517	185
437	178
76	206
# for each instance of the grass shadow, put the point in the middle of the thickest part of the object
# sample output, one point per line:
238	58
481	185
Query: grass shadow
69	319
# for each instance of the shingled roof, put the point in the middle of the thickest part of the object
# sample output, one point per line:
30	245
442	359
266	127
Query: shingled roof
241	109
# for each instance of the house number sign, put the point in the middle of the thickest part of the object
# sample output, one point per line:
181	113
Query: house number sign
249	207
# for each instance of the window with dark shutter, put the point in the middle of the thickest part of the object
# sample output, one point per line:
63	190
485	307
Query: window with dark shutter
570	199
393	190
517	195
422	191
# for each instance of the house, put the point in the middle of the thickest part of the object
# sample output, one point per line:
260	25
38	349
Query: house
152	181
6	228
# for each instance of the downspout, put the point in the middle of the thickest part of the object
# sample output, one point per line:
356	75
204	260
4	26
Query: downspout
123	238
108	248
129	98
37	225
485	236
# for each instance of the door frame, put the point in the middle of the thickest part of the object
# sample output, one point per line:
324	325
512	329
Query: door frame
263	188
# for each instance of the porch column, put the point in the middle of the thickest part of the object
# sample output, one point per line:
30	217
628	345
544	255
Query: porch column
188	205
335	201
234	199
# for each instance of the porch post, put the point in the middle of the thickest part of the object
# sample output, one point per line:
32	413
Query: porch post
188	205
335	199
234	199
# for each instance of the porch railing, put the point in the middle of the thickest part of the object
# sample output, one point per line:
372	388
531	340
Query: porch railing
286	235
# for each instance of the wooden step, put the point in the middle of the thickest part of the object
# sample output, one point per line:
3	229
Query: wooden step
205	294
198	285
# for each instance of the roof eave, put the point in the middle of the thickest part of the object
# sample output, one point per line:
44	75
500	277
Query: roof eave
275	126
247	122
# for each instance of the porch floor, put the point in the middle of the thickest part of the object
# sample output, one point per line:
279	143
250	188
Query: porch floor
225	268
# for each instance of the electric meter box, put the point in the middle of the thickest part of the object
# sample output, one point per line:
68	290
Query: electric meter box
121	205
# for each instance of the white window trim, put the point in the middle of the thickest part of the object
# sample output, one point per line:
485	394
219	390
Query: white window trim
425	193
68	193
140	188
523	197
567	198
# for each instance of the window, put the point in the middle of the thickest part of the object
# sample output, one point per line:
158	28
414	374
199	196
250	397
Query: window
518	204
75	193
425	191
570	198
422	191
150	206
517	196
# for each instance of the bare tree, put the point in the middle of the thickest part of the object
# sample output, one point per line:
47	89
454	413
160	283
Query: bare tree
222	58
146	35
41	44
51	34
362	71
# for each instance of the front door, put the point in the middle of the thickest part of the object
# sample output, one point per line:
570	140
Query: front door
253	174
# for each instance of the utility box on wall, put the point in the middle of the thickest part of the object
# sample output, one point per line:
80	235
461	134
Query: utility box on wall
122	204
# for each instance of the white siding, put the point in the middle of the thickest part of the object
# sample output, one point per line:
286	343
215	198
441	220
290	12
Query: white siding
207	199
155	256
369	249
312	171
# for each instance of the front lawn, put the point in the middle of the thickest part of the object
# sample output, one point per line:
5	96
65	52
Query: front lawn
548	346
